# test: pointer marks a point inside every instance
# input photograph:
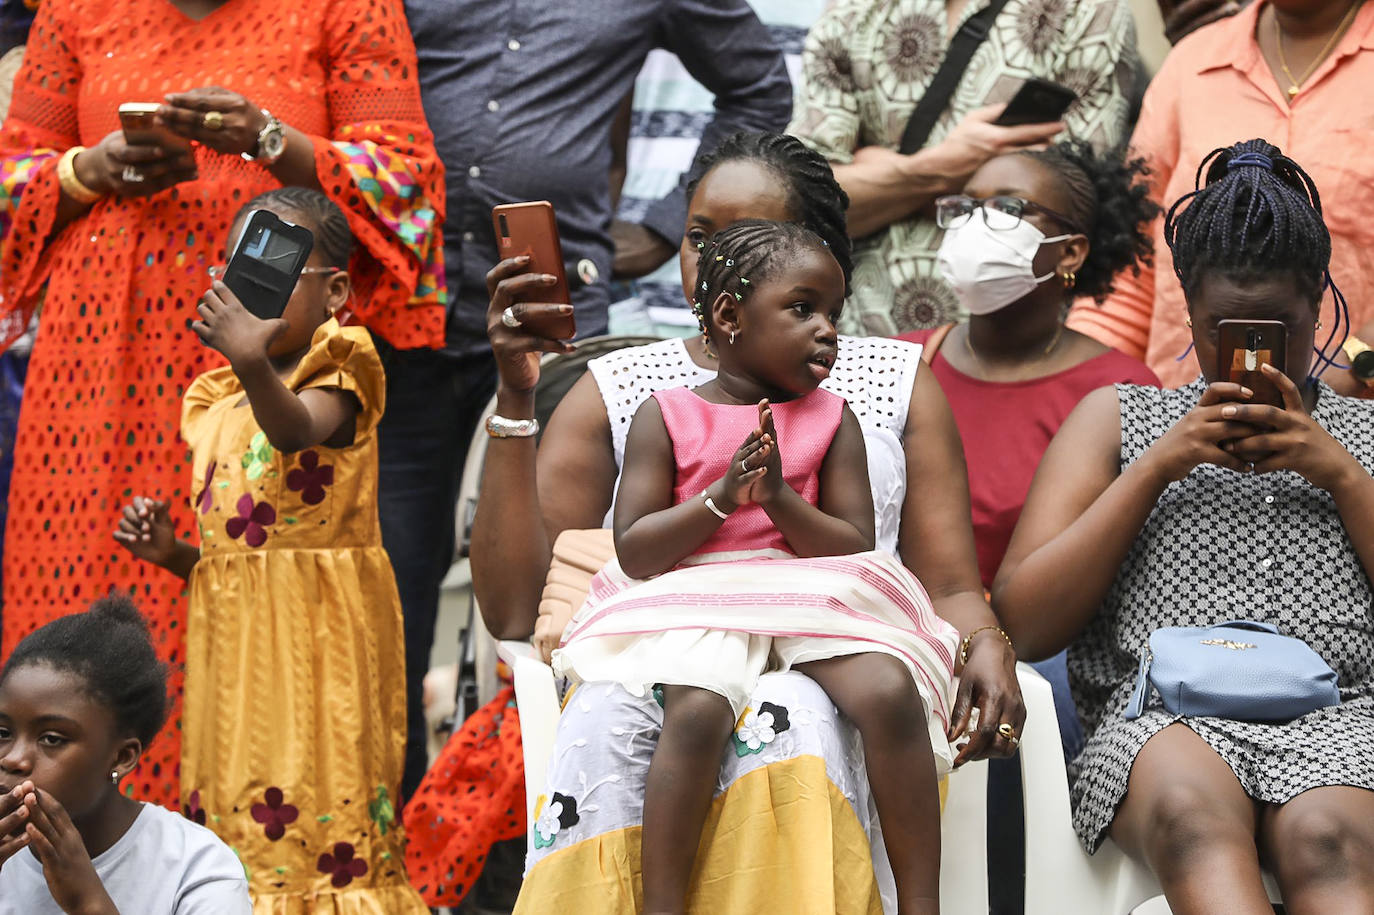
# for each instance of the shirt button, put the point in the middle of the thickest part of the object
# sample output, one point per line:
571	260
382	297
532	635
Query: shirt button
493	105
1268	500
474	172
1266	562
468	237
513	45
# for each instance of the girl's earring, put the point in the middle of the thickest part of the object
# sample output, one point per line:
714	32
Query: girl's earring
114	777
1319	324
732	338
1069	278
1188	322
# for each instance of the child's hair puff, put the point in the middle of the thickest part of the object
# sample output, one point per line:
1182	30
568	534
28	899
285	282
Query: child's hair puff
108	647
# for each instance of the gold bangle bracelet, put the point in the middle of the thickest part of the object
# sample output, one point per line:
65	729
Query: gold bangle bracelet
71	185
968	639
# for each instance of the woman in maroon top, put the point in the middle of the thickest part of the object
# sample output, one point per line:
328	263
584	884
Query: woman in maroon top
1030	232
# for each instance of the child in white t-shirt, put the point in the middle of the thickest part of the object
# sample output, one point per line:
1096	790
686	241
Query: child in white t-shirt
80	699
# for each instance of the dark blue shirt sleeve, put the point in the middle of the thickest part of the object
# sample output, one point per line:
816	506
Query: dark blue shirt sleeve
728	50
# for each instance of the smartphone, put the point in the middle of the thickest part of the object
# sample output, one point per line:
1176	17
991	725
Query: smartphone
530	228
1038	101
267	261
139	120
1243	346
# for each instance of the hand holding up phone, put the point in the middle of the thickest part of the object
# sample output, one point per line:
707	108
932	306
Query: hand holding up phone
231	330
978	138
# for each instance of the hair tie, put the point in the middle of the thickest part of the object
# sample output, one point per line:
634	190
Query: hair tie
1250	159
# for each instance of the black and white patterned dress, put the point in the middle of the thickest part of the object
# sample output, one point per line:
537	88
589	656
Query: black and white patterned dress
1222	545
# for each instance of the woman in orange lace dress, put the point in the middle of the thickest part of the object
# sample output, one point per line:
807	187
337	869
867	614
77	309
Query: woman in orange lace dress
122	237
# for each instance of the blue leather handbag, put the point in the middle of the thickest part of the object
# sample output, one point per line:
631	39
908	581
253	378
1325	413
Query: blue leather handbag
1241	670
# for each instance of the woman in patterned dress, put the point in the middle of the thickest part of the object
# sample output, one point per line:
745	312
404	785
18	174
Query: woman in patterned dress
1196	506
793	759
120	237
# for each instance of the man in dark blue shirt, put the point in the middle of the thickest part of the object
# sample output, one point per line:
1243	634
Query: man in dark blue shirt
521	97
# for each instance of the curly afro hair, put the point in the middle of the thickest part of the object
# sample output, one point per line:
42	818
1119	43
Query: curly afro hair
1111	202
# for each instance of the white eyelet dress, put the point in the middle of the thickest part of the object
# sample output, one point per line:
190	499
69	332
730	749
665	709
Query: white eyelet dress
793	827
1218	546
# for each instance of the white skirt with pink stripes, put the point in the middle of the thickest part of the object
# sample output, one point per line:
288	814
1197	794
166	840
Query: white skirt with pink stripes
718	625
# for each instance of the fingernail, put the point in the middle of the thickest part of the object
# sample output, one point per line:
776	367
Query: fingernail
1247	392
1228	411
522	259
550	279
565	309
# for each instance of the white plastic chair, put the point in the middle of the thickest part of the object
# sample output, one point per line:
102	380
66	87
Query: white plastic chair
1061	878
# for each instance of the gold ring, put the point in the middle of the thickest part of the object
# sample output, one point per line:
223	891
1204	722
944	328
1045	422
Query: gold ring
1006	731
213	120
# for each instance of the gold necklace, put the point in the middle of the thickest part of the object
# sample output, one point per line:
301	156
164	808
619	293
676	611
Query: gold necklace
1054	341
1296	82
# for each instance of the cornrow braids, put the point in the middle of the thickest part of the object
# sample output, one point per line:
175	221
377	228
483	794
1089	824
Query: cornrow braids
109	648
333	237
814	198
1111	201
741	256
1256	214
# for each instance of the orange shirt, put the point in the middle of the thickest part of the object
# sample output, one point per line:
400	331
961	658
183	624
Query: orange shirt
1216	89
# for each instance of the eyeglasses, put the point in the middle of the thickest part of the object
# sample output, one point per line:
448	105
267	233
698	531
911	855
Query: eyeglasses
1002	214
216	271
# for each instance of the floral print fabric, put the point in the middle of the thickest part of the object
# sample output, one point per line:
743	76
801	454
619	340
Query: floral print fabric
867	64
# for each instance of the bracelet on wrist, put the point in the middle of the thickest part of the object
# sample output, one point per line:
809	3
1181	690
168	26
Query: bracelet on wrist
968	640
503	427
711	504
71	185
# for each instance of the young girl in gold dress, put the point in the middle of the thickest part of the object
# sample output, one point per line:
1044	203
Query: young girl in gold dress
295	673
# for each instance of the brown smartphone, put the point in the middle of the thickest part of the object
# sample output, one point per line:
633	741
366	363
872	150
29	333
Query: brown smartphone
530	228
1243	346
139	120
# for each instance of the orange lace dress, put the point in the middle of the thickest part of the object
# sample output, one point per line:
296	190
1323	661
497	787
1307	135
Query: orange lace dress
114	356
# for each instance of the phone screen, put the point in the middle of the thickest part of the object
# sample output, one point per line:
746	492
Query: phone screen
267	262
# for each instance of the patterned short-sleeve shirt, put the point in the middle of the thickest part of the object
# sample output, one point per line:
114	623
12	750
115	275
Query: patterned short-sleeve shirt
868	62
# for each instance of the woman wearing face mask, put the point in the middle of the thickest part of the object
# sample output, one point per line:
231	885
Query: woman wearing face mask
1030	232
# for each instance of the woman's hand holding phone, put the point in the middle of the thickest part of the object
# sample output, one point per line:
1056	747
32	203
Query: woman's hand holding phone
102	167
240	121
232	330
1290	439
1198	438
518	349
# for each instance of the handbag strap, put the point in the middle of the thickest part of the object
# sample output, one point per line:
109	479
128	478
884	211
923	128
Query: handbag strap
941	89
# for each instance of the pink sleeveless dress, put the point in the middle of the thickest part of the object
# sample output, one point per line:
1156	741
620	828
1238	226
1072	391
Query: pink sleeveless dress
743	603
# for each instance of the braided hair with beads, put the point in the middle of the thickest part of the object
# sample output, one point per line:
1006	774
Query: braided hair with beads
1255	213
741	256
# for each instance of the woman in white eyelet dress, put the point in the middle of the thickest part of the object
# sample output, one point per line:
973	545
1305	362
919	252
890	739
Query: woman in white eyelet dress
792	828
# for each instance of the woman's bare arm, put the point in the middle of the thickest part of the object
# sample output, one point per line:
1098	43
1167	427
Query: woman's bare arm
527	499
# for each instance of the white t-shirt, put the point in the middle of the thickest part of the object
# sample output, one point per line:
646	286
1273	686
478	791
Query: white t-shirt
163	865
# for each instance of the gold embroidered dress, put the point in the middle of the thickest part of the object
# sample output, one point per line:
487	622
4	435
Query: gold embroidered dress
295	671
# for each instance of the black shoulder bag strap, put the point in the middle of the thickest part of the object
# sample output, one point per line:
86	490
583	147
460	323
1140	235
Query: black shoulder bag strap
928	110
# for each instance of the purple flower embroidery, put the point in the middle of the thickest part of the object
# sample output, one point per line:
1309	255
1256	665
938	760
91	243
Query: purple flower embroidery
206	497
252	522
192	809
310	478
342	865
274	815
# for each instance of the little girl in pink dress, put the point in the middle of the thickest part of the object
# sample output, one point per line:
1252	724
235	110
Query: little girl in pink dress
735	559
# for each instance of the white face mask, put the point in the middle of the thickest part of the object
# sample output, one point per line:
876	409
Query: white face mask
989	269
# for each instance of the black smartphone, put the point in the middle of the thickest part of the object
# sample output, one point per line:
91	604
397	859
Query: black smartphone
1038	101
267	261
530	228
1243	346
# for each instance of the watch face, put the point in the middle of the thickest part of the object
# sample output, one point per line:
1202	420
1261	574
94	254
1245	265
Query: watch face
273	144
